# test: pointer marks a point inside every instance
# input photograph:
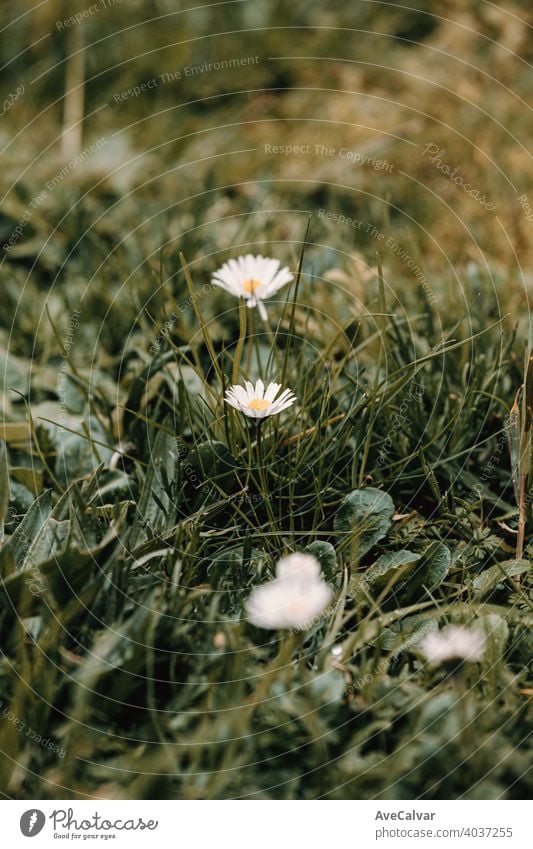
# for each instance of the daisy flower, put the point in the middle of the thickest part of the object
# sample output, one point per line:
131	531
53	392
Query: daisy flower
293	599
303	566
253	278
258	403
453	643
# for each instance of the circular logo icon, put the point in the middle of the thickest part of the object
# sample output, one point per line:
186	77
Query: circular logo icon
32	822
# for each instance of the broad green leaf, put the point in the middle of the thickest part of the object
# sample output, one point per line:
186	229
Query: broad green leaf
25	534
497	631
21	497
51	539
230	569
366	515
79	455
31	478
390	565
20	593
112	485
14	373
157	508
405	634
208	463
429	573
326	556
487	580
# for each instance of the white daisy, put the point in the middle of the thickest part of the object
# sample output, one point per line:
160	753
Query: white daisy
293	599
253	278
453	643
258	403
303	566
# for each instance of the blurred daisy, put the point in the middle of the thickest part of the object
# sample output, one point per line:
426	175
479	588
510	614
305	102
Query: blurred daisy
453	643
253	278
258	403
303	566
293	599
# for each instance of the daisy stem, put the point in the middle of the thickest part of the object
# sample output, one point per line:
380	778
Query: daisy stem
274	352
250	458
373	411
257	353
290	332
240	344
200	319
250	349
262	474
288	643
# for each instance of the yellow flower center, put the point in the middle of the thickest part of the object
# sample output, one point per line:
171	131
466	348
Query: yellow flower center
251	285
258	404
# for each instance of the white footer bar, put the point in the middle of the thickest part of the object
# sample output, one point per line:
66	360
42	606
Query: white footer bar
256	825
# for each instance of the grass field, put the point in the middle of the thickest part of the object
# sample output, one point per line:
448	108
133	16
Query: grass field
380	152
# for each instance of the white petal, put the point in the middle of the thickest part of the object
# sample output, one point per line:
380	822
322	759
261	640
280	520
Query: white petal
262	310
273	389
274	285
240	394
229	286
285	395
234	403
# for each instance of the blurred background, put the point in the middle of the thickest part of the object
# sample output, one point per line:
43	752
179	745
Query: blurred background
183	107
